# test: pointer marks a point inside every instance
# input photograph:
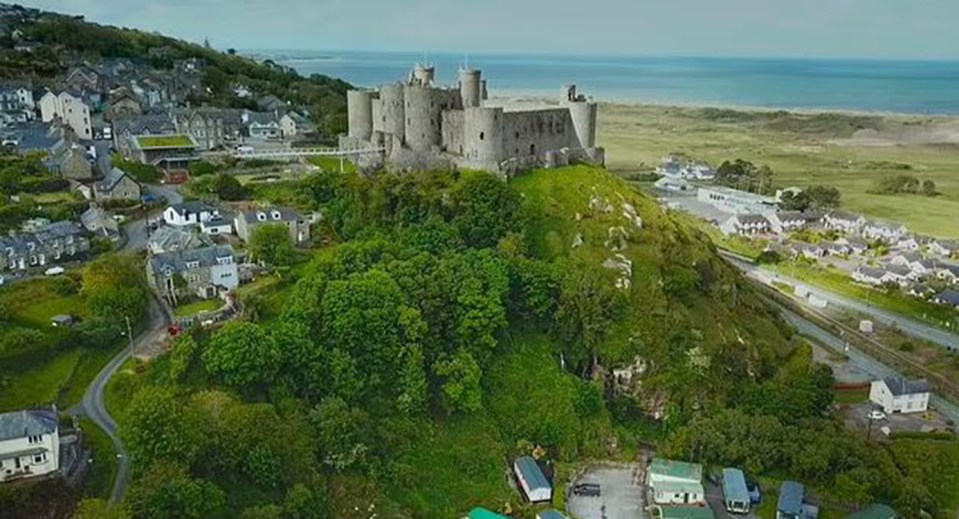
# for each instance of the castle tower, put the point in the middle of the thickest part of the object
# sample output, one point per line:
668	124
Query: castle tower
423	116
359	105
471	87
583	113
483	130
424	75
392	110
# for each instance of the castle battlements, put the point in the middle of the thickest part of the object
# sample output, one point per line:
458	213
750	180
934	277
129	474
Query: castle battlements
422	125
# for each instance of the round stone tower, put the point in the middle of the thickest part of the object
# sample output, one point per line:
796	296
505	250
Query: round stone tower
483	135
471	87
583	113
359	104
424	74
392	110
423	114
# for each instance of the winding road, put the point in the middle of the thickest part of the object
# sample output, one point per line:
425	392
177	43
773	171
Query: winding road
94	406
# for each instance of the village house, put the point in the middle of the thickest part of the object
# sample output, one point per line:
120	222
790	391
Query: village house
33	137
737	202
845	222
870	276
900	395
29	444
855	244
944	248
205	273
885	232
293	124
71	110
262	125
53	243
82	78
122	104
270	103
788	221
69	160
900	274
745	224
16	104
907	242
675	482
922	291
174	239
99	222
117	185
169	152
246	223
211	128
947	272
948	298
219	224
836	249
914	262
811	251
189	213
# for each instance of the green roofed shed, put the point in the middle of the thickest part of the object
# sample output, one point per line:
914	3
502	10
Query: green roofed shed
482	513
677	470
685	512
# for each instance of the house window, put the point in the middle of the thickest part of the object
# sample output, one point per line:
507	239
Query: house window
482	135
261	217
192	264
40	458
193	279
34	439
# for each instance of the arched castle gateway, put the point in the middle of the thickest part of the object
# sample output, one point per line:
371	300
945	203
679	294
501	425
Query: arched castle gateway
421	125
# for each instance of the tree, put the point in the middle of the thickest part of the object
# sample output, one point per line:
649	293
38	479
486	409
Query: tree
167	491
115	287
823	197
271	245
339	431
929	188
99	509
414	388
588	302
182	356
201	168
229	188
484	210
460	375
242	354
156	426
302	503
791	201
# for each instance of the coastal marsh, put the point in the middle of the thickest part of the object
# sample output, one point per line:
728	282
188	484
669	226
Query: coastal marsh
846	150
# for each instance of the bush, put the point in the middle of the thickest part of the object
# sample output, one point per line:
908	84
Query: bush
201	168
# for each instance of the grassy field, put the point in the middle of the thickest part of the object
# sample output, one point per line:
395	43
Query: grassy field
164	141
204	305
801	149
40	385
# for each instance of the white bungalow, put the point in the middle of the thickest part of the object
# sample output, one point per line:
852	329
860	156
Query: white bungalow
29	444
900	395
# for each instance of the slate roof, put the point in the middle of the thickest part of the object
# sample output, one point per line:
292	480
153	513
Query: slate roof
147	124
871	272
899	270
34	136
170	239
262	118
844	216
747	219
20	424
176	262
899	386
111	179
193	206
286	215
949	297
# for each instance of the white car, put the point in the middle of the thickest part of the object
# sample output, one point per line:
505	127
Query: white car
54	271
876	414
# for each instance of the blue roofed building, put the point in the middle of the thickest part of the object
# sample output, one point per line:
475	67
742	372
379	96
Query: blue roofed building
791	496
482	513
532	481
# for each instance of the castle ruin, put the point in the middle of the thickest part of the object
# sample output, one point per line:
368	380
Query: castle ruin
421	125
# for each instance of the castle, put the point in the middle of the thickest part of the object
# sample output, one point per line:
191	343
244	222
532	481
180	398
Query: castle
421	125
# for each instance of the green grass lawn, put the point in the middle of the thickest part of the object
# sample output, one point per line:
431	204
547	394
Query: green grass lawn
801	150
40	385
34	302
851	396
164	141
332	164
89	365
121	387
839	282
203	305
99	482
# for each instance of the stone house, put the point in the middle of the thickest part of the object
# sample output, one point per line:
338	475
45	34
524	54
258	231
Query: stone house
172	239
246	222
204	273
29	444
293	124
123	103
99	222
262	125
70	161
884	231
117	185
82	78
845	222
54	243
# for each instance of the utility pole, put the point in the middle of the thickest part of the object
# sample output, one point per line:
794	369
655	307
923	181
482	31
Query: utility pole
129	332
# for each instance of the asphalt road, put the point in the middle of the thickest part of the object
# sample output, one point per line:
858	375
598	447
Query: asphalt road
94	407
906	325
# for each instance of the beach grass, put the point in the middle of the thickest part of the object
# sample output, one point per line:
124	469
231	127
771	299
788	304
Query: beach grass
802	149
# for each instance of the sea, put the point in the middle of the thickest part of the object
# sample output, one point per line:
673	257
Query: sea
889	86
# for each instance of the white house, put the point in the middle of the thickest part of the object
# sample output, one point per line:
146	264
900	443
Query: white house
676	482
948	297
70	110
216	225
907	242
189	213
869	275
293	124
899	395
29	444
943	248
786	221
745	224
915	263
884	231
845	222
531	480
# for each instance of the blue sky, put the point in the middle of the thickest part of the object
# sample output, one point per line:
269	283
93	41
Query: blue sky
811	28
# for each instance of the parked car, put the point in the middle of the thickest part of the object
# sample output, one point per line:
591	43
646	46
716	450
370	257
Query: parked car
587	489
876	414
2	280
54	271
755	492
